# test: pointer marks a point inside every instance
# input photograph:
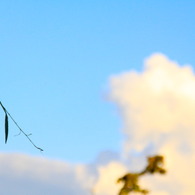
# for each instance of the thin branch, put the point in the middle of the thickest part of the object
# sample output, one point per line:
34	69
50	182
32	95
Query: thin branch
27	135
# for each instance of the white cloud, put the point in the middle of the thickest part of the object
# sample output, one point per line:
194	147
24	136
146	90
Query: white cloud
158	110
107	177
22	174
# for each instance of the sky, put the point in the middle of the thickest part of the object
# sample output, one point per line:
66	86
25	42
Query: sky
100	85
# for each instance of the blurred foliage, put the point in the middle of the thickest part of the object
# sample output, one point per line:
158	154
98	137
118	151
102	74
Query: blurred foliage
131	180
131	184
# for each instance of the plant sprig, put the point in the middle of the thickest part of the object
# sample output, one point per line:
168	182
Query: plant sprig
21	131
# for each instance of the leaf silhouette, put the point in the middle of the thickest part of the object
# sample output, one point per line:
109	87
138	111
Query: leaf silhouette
6	127
21	131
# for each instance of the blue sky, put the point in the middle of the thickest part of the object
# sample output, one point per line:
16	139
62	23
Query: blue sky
56	59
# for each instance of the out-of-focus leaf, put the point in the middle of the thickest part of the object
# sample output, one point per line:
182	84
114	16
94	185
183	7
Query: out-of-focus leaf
6	127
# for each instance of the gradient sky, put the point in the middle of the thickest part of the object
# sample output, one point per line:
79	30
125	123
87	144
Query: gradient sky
56	59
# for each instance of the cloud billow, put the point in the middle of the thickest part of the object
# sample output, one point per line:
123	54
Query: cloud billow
157	107
23	174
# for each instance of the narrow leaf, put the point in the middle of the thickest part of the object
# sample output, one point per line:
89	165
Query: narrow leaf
6	127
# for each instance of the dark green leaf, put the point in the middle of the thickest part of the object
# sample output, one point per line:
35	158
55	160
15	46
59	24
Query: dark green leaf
6	127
